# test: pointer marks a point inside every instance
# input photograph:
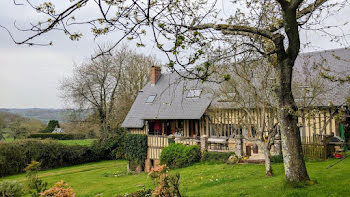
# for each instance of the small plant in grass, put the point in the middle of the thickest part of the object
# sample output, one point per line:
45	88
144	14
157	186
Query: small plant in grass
35	185
141	193
11	189
60	189
166	185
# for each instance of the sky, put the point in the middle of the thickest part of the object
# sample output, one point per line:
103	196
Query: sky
30	76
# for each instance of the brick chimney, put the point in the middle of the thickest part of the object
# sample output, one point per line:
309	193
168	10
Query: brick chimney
155	74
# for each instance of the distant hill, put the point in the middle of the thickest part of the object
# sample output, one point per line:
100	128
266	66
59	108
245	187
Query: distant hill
43	114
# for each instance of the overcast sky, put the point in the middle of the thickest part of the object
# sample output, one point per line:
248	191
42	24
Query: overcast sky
29	76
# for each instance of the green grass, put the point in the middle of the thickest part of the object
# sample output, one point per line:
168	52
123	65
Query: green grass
109	178
86	142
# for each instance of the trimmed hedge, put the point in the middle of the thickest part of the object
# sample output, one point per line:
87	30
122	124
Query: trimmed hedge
15	156
179	155
136	148
57	136
216	156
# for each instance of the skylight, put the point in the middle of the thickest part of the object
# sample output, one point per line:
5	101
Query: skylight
150	99
193	93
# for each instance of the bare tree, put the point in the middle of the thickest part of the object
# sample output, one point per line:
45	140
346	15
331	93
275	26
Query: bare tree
190	31
99	84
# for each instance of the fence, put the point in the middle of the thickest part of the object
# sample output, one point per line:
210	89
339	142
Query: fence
316	146
187	140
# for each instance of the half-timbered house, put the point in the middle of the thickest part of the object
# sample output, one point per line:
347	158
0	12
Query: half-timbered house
186	110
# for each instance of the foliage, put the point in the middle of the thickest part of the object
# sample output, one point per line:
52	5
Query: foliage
167	185
136	148
57	136
51	126
14	156
277	158
11	189
111	145
216	156
171	141
35	185
179	155
60	189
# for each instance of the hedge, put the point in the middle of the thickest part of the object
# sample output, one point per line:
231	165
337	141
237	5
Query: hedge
179	155
216	156
136	148
14	156
57	136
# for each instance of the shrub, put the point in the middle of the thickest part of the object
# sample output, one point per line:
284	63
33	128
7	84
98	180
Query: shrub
14	156
178	155
57	136
216	156
35	185
166	184
277	158
136	148
11	189
60	189
111	146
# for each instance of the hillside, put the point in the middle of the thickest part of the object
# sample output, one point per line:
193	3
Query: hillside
38	113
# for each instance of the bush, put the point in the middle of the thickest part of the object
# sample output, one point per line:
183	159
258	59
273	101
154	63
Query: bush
57	136
136	149
277	159
11	189
111	146
178	155
216	156
35	185
14	156
60	189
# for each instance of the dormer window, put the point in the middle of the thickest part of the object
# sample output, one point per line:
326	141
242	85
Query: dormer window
150	99
193	93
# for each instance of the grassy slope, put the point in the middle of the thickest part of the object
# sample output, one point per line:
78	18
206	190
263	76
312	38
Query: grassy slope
109	178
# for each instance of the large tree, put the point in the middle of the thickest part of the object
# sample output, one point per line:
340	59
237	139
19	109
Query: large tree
199	33
101	84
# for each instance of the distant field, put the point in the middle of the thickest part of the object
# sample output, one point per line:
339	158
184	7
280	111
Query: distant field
86	142
108	178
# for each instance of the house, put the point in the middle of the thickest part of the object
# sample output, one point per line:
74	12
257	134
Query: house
188	111
58	130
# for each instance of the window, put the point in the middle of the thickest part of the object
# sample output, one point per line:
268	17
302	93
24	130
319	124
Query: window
193	93
150	99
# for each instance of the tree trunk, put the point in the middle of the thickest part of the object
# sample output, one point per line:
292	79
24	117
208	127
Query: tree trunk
294	164
267	154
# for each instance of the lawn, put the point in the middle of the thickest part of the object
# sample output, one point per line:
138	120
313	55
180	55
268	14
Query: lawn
109	178
85	142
